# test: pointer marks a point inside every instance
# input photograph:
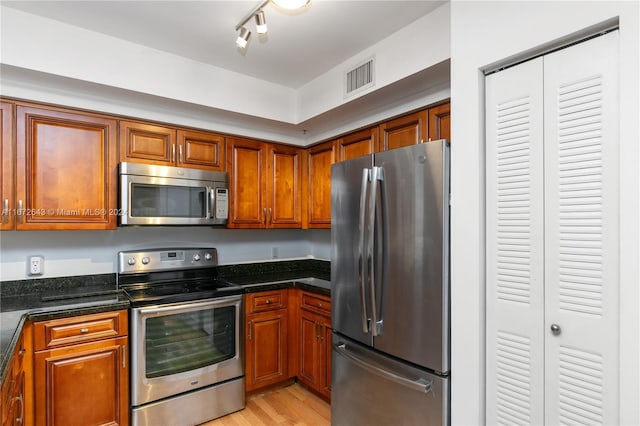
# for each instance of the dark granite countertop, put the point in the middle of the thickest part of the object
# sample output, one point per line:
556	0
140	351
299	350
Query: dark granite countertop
49	298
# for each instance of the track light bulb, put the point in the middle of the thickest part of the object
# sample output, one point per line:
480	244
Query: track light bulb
261	23
243	37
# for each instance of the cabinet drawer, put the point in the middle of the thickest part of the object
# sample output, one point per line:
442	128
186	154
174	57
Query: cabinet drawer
316	303
266	301
84	328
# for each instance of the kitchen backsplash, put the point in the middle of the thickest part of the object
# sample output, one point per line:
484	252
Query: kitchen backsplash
68	253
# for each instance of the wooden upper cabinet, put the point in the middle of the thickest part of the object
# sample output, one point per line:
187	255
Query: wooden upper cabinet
358	144
404	131
147	143
265	184
66	163
319	160
247	166
7	186
154	144
440	122
284	201
201	150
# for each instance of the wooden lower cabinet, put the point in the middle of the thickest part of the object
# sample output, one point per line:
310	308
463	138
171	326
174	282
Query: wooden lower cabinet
15	402
85	383
315	342
266	339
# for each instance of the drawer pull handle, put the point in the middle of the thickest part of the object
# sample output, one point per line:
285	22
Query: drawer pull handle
84	330
319	305
268	301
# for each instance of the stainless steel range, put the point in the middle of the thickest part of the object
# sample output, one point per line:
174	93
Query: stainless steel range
187	354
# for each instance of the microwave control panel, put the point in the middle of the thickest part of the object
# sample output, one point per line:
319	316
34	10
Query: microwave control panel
222	203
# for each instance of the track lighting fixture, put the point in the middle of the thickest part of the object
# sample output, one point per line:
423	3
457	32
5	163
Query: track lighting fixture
261	22
243	37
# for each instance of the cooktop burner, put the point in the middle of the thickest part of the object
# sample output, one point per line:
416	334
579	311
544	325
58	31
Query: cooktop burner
150	293
163	276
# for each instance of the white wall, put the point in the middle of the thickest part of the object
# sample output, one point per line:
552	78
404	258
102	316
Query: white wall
484	33
68	253
420	45
50	61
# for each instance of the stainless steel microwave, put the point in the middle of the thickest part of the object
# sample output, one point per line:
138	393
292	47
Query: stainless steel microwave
164	195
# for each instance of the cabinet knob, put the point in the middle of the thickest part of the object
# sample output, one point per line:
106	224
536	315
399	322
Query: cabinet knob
84	330
268	301
555	329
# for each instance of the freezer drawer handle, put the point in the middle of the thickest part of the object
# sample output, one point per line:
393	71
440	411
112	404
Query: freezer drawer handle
420	385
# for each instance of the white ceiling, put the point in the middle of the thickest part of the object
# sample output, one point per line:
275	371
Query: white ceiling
299	46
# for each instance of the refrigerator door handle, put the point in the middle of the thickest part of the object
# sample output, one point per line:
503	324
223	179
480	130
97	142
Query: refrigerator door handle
382	250
376	330
420	385
366	177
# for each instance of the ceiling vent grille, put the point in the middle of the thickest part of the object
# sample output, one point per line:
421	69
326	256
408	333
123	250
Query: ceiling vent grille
360	78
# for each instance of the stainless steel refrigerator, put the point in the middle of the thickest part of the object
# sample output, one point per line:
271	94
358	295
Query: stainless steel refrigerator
390	287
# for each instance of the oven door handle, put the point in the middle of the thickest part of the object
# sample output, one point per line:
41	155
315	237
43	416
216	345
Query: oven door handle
191	305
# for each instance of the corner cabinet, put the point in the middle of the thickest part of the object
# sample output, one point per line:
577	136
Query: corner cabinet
319	161
315	342
16	398
81	370
266	339
65	170
265	184
167	146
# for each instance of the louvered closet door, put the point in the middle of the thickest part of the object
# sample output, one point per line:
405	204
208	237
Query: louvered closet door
582	233
515	275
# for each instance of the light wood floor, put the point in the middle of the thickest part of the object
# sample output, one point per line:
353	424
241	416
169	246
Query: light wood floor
292	405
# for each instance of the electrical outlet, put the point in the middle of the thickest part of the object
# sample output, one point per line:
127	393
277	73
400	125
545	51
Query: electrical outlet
35	265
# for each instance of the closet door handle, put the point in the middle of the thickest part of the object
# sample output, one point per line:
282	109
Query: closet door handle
555	329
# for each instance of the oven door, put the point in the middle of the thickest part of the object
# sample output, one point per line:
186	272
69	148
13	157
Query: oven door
151	200
184	346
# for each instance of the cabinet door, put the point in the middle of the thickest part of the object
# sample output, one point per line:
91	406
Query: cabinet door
326	357
200	150
310	354
320	159
358	144
66	169
247	167
147	143
266	349
407	130
83	384
284	187
7	186
440	122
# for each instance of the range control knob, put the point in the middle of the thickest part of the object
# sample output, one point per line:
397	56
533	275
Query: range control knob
196	257
145	260
131	261
208	257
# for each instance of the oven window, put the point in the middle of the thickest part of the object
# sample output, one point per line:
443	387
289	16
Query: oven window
167	201
191	340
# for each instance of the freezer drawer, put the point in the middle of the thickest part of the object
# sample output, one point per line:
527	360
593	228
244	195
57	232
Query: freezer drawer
369	388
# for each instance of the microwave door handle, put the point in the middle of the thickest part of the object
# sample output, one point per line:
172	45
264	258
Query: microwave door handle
208	202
